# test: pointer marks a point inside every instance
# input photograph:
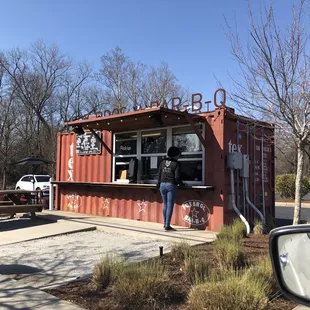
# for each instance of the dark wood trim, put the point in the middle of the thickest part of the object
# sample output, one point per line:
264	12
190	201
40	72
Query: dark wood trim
194	127
133	185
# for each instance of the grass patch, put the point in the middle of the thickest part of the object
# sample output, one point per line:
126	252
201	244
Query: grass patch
180	251
258	228
145	286
262	271
228	253
106	271
236	231
197	269
225	232
239	229
234	292
190	280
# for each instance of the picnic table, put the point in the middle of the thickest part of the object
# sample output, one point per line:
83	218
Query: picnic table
20	201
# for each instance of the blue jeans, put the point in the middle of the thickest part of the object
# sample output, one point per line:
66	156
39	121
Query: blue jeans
168	192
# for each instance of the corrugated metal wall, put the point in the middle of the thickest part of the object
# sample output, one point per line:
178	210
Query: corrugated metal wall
82	168
138	204
224	132
249	137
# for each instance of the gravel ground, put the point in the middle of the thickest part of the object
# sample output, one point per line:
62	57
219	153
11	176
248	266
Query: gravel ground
56	260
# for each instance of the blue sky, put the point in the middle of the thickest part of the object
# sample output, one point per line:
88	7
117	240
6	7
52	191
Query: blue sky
187	34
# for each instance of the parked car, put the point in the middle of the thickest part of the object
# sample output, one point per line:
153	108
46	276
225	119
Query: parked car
33	182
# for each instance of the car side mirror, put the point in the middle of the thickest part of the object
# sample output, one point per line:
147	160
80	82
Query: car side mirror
289	248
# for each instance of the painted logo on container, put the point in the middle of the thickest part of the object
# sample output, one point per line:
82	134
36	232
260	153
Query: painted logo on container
195	212
73	201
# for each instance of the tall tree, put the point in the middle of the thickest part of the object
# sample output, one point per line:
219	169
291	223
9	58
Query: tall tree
113	76
36	74
8	124
274	78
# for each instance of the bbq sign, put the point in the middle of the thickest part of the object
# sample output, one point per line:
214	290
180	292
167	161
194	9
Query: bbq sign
195	212
196	105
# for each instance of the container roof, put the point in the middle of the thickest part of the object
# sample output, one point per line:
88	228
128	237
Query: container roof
143	119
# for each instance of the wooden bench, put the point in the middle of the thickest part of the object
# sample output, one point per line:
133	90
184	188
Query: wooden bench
13	209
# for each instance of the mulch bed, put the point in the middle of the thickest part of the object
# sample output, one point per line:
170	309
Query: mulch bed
83	294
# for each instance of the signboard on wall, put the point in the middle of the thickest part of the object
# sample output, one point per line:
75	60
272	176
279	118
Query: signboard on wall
87	144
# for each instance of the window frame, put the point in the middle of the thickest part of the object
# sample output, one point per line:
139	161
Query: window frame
139	154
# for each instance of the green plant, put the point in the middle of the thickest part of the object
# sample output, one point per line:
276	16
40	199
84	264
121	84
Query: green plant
225	232
228	253
145	286
262	272
258	227
197	269
285	185
236	231
239	229
106	271
235	292
181	250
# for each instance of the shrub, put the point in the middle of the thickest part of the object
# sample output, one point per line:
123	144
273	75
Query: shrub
196	269
225	232
262	272
145	286
258	228
238	228
106	272
285	185
181	250
235	292
236	231
228	253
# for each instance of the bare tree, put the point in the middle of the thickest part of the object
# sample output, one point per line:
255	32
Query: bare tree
70	96
113	76
135	80
8	123
274	79
161	84
128	84
285	152
36	74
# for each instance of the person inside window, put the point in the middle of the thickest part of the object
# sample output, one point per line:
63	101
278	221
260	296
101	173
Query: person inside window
198	173
168	180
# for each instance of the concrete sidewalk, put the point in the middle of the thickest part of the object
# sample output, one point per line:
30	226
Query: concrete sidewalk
15	295
49	229
133	227
291	204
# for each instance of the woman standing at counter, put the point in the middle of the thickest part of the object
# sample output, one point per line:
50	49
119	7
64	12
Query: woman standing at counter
168	180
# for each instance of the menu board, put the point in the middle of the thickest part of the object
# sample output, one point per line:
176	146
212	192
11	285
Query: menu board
88	144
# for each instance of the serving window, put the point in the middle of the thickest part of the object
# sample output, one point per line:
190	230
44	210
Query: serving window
191	161
149	148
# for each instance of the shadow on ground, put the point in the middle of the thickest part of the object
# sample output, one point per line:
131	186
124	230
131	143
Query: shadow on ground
7	224
18	269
